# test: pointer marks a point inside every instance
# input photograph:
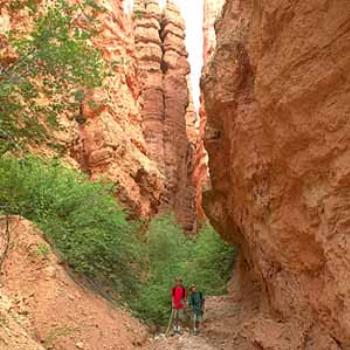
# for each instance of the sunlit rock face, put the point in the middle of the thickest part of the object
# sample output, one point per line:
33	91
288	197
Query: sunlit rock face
211	13
277	95
110	142
164	100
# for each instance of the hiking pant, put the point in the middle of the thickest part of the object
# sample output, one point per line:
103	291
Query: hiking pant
178	316
197	316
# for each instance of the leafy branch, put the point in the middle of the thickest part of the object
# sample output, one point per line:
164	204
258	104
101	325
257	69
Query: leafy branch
55	63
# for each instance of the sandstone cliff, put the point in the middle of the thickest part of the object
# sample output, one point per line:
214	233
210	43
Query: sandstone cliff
131	131
277	98
211	12
110	141
164	99
106	138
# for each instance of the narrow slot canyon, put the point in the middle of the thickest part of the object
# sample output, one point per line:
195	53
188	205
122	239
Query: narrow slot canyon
211	143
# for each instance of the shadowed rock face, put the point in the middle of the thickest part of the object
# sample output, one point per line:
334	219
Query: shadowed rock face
211	11
164	100
277	95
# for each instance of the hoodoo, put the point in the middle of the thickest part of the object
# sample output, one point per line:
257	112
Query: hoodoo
164	100
277	98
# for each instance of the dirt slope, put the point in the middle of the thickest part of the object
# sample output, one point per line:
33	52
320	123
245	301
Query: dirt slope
12	335
53	309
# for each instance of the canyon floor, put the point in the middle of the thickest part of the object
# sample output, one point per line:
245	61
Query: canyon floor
42	307
223	329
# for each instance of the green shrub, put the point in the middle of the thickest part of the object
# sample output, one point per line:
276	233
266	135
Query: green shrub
88	227
81	218
204	260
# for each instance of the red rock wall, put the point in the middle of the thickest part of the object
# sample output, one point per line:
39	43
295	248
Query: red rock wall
277	96
164	99
211	12
110	143
105	140
132	131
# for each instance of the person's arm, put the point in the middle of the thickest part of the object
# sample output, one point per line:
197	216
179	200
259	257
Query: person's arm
190	301
172	297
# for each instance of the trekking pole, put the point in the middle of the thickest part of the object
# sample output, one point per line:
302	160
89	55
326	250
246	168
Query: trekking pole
170	322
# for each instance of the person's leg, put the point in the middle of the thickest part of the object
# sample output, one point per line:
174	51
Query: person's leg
193	321
176	319
181	317
198	321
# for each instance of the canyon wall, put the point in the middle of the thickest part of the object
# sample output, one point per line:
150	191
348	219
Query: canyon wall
132	131
211	12
277	96
164	100
110	142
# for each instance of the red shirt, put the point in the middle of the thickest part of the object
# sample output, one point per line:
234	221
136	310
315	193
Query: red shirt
178	296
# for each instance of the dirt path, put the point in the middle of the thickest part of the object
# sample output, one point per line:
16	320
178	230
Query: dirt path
218	330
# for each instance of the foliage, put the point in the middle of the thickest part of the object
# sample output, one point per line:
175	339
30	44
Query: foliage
54	64
88	227
42	250
81	218
204	260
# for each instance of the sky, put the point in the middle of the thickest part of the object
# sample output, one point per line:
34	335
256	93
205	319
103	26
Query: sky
192	10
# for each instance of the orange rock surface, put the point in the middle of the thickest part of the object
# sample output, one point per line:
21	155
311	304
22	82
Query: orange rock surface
110	143
211	12
49	307
165	99
131	131
277	95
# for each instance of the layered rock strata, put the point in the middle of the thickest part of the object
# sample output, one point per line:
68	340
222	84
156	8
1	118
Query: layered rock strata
110	141
277	95
132	130
105	137
163	71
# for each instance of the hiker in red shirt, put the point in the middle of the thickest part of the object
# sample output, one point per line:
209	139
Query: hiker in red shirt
178	297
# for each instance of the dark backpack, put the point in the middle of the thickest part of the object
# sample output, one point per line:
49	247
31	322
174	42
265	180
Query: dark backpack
200	297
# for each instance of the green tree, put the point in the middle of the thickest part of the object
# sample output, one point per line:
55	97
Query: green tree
80	218
205	260
55	63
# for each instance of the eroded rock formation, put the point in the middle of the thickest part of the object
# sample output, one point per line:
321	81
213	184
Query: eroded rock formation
163	68
110	141
211	12
277	96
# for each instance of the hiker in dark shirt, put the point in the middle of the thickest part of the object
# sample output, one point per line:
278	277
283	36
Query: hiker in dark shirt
196	303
